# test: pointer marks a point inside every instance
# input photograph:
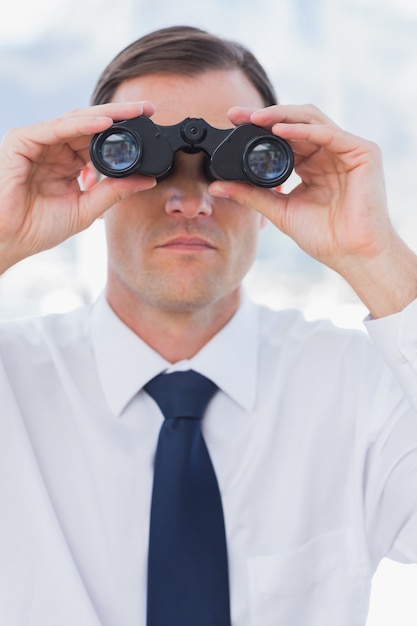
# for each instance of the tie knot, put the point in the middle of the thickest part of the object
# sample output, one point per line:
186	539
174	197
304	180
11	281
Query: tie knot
181	394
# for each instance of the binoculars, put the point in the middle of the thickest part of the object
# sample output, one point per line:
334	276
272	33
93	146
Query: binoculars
245	153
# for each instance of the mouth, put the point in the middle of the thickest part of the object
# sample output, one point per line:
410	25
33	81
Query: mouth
187	244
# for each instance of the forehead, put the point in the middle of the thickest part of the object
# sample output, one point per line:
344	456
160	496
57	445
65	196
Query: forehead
208	95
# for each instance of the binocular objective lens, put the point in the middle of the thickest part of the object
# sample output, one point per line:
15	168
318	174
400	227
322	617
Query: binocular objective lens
119	151
267	160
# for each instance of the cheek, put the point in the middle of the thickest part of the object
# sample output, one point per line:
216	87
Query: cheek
244	243
123	236
115	227
126	219
248	224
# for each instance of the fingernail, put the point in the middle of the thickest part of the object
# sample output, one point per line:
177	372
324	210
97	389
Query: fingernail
144	181
150	183
217	190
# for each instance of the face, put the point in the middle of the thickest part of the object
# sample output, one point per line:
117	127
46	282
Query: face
175	247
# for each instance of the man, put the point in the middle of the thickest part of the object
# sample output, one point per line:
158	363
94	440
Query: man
313	444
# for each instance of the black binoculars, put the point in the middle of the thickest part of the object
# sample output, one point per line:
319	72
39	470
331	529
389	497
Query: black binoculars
245	153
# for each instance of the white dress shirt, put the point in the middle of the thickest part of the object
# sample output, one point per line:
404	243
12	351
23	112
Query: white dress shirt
314	447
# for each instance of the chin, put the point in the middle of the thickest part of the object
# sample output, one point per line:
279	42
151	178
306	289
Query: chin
185	303
184	293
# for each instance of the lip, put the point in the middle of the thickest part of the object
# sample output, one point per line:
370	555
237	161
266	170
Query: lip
189	244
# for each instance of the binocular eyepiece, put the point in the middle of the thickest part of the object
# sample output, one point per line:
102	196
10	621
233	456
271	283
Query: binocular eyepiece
244	153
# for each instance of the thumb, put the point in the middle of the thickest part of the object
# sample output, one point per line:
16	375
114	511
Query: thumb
109	191
269	202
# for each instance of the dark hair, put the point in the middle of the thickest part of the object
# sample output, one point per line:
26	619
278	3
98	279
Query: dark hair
181	50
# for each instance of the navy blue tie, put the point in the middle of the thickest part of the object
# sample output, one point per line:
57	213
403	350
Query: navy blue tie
188	583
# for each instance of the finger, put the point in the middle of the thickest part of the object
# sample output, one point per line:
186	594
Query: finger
116	110
302	150
72	125
32	140
306	139
291	114
304	142
240	115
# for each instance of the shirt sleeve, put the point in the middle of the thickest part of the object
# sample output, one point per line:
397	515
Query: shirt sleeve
390	495
396	338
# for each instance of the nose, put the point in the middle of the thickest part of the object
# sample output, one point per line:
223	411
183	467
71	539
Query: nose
186	188
189	203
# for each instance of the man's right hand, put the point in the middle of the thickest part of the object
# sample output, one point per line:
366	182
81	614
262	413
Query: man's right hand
41	202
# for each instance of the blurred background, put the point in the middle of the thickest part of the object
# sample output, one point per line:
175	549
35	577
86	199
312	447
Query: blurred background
355	59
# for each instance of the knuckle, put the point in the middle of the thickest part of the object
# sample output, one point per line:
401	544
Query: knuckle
75	112
312	110
11	135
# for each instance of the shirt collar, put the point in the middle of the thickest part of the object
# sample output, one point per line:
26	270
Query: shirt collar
126	363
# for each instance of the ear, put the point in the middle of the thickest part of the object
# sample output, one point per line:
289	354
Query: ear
89	177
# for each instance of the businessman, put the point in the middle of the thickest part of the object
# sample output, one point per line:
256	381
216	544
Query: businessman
307	451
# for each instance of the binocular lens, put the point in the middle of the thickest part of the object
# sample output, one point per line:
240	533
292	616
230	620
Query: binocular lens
266	161
119	151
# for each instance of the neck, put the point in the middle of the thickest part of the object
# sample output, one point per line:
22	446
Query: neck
175	335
